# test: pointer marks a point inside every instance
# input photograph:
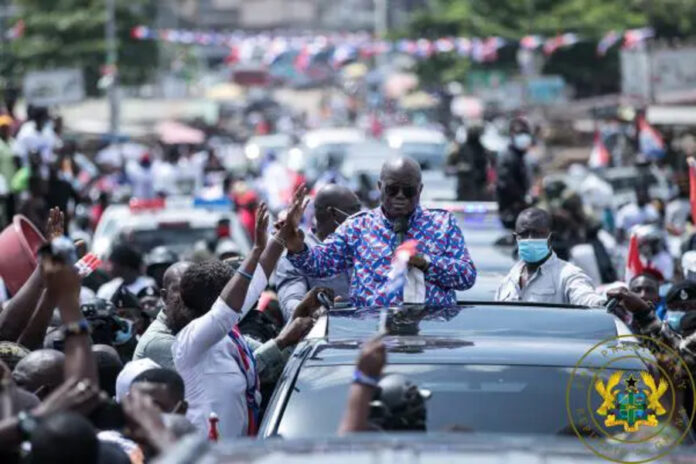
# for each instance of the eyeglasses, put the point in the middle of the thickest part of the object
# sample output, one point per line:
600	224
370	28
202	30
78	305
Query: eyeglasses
409	191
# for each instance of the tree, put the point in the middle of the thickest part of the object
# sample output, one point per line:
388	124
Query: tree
70	33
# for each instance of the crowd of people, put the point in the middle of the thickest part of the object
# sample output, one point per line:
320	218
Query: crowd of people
118	365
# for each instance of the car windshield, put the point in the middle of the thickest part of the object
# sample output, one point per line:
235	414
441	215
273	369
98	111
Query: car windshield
489	398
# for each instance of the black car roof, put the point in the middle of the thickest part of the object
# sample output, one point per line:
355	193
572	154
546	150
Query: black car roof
497	351
475	319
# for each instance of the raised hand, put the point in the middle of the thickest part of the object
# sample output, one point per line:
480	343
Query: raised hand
290	228
54	224
372	358
261	235
310	303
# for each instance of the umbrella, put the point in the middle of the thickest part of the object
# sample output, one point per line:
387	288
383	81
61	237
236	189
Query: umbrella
224	92
172	133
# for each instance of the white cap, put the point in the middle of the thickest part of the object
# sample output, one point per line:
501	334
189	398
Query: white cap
688	262
129	372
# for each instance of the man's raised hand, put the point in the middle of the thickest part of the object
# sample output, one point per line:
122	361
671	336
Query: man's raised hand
290	229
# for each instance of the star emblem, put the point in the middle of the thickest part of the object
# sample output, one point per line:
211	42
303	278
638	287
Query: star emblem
631	381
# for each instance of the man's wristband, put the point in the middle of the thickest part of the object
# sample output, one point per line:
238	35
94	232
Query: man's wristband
364	379
245	274
80	327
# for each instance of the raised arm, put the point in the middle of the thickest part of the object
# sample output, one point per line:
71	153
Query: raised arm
204	332
18	311
454	269
63	281
369	368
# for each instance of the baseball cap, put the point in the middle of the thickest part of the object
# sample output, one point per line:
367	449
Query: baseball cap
129	372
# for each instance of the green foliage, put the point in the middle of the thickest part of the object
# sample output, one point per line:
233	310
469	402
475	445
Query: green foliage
70	33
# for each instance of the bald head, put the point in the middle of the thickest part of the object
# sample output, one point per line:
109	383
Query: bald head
333	204
400	185
172	279
108	367
403	168
533	223
40	372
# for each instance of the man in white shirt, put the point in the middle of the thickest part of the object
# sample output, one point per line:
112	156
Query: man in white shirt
36	135
126	269
210	354
635	214
540	276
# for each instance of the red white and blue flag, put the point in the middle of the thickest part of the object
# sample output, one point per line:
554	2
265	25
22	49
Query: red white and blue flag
399	268
608	41
650	140
600	156
563	40
635	37
531	42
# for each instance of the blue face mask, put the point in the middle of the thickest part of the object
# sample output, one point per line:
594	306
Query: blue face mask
674	318
533	250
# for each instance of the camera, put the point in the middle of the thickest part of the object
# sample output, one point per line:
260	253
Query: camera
107	328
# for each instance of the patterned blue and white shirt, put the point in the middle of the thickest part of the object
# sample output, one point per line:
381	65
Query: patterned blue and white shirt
366	242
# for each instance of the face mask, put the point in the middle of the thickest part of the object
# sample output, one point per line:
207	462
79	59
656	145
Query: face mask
533	250
124	335
522	141
674	318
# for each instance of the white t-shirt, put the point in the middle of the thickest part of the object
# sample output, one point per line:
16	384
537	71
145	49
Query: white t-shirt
30	139
203	357
632	215
108	290
142	180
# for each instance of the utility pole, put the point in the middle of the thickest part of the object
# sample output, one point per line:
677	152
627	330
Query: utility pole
111	68
381	24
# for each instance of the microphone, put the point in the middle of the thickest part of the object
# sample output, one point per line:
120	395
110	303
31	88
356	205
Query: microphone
400	228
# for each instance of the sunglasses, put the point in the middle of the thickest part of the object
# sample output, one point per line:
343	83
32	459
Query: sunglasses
409	191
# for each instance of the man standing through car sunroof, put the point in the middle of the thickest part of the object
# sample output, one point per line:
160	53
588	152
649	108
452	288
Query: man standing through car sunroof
540	276
366	242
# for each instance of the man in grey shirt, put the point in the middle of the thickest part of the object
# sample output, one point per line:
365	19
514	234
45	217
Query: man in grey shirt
333	204
540	276
156	342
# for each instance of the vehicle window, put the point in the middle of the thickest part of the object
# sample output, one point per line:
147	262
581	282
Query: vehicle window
481	398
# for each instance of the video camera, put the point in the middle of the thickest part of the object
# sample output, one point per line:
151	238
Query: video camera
106	327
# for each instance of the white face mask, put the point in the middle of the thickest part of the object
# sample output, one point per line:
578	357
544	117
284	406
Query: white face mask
522	141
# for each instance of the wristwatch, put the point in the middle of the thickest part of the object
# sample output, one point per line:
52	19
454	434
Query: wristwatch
26	425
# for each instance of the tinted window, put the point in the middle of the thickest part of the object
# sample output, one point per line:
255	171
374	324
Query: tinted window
485	398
